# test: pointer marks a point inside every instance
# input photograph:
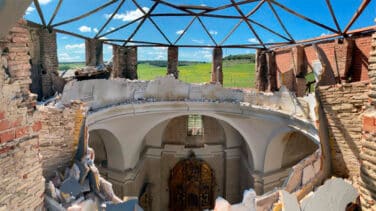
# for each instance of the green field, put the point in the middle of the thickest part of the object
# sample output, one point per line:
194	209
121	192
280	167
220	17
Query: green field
236	73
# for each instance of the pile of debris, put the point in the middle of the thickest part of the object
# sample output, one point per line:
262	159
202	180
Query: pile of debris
102	71
81	188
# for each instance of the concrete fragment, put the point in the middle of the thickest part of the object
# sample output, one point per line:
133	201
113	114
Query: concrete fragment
334	195
249	199
75	172
51	204
289	201
129	205
308	174
106	189
222	204
71	186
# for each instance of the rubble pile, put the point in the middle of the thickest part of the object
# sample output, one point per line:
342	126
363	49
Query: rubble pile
81	188
102	71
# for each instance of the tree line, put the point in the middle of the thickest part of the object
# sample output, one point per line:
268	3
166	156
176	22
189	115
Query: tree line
251	57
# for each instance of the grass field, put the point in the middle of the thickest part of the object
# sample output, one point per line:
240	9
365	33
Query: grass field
238	73
234	74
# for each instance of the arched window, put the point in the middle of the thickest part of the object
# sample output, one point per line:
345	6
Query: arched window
195	126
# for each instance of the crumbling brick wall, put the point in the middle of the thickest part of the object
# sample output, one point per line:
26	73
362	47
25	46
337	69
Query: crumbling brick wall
350	55
58	136
21	180
367	186
44	60
343	107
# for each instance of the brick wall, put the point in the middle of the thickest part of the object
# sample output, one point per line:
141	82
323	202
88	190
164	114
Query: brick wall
368	151
21	180
57	139
349	57
343	107
44	60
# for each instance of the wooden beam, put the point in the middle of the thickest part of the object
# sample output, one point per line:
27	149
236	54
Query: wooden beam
55	12
369	29
175	7
71	34
40	13
85	14
185	29
240	21
203	15
110	18
333	15
121	27
303	17
246	21
141	23
207	31
227	6
280	21
358	12
152	21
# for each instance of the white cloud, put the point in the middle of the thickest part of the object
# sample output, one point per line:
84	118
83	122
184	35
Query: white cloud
252	40
43	2
103	38
129	15
198	41
179	32
84	29
65	57
95	30
29	10
213	32
75	46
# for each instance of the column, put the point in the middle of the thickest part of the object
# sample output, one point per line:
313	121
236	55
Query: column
124	62
172	62
299	70
93	52
216	73
272	71
48	64
261	70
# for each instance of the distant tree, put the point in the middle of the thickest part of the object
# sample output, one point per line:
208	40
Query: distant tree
250	57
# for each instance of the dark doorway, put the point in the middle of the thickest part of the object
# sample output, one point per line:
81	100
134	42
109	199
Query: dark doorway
191	186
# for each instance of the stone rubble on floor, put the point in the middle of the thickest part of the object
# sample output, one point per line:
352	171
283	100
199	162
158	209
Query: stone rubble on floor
81	188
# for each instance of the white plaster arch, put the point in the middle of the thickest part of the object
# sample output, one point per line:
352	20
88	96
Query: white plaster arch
112	146
254	124
276	147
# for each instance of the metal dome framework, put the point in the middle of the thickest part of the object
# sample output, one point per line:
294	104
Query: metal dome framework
196	13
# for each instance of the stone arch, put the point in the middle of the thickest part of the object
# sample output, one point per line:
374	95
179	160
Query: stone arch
286	148
107	148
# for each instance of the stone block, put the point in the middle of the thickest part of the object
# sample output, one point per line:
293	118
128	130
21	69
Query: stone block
308	174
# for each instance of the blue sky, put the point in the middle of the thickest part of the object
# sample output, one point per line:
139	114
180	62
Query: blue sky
72	49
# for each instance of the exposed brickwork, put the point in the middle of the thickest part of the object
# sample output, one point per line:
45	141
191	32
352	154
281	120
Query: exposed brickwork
124	62
57	136
172	62
21	180
94	52
216	73
44	61
343	107
349	58
368	150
